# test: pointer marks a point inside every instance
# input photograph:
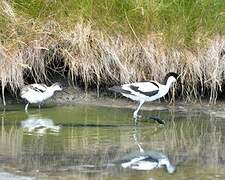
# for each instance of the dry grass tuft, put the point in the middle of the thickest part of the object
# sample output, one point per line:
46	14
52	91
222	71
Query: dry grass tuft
7	10
100	59
103	59
11	70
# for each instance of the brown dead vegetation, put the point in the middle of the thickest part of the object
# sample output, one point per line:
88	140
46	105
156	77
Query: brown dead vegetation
98	58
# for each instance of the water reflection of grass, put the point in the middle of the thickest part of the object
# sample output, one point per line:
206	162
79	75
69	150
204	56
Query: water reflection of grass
10	141
190	139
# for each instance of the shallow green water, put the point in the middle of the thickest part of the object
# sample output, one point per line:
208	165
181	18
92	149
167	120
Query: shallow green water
91	142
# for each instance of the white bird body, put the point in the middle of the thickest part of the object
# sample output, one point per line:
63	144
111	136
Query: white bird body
40	124
145	87
146	160
139	163
149	161
37	93
145	91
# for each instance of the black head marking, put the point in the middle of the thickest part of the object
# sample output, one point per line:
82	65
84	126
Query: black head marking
175	75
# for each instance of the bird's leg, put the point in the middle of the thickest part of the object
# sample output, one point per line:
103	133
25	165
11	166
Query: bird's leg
136	141
39	105
26	107
135	114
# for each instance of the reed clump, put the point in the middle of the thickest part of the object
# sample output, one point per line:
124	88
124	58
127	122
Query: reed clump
114	43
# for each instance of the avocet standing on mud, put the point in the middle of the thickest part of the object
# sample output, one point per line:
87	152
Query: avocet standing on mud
145	91
37	93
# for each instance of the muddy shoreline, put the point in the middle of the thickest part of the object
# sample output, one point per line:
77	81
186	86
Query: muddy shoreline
75	96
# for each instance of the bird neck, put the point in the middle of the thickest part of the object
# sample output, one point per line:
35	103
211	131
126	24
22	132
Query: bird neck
169	82
167	164
51	89
170	168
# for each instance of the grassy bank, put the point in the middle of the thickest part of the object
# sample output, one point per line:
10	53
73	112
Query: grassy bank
101	43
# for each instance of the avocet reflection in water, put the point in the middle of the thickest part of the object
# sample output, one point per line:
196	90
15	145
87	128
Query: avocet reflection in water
39	125
146	160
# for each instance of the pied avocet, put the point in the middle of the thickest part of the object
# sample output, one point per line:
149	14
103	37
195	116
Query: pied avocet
146	91
37	93
146	160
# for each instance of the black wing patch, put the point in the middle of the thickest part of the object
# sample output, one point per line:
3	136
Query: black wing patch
149	93
36	89
151	159
154	83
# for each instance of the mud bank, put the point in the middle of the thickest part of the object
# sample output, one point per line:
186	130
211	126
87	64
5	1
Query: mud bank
72	96
75	96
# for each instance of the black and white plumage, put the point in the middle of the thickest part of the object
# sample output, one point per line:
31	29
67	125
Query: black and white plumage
145	91
39	125
148	161
37	93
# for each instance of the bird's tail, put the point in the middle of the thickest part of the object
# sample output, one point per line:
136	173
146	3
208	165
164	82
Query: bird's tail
117	89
